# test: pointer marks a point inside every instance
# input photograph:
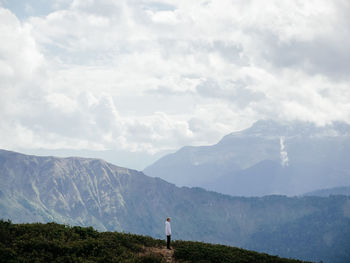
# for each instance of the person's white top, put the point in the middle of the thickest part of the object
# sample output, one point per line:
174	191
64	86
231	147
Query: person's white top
167	228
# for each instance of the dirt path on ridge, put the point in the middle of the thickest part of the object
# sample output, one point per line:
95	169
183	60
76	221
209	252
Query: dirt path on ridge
163	251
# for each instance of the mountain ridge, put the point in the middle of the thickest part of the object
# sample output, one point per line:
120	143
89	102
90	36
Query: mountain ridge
90	192
309	158
344	190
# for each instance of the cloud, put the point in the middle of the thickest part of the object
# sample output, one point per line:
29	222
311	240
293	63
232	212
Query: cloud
151	76
312	36
19	54
42	106
22	67
235	91
283	153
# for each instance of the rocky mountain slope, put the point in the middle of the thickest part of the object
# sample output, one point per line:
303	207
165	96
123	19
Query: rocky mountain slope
91	192
267	158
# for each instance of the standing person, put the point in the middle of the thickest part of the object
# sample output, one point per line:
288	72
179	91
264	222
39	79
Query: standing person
168	232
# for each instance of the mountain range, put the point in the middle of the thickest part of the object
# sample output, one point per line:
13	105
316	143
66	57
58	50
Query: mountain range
92	192
270	157
343	190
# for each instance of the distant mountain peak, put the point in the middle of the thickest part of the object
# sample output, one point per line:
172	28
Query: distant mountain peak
311	156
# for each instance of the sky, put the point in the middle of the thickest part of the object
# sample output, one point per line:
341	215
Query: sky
130	81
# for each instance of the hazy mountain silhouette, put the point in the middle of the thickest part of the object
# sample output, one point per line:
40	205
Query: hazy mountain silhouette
268	158
344	190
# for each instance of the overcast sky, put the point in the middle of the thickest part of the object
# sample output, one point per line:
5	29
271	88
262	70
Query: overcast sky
141	78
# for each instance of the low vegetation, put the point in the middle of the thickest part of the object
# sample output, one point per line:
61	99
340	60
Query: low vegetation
203	252
53	242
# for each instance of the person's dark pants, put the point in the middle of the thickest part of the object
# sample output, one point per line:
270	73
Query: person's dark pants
168	242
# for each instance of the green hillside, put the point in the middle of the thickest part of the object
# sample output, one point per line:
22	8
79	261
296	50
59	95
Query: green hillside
53	242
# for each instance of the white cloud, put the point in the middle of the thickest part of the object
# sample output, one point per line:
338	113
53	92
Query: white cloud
151	76
283	153
19	54
22	68
166	17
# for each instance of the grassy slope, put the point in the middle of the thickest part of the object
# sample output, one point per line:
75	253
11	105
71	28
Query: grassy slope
53	242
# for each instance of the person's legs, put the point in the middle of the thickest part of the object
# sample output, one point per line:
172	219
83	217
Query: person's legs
168	242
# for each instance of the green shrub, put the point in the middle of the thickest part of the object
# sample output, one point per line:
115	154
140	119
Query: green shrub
151	259
53	242
202	252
